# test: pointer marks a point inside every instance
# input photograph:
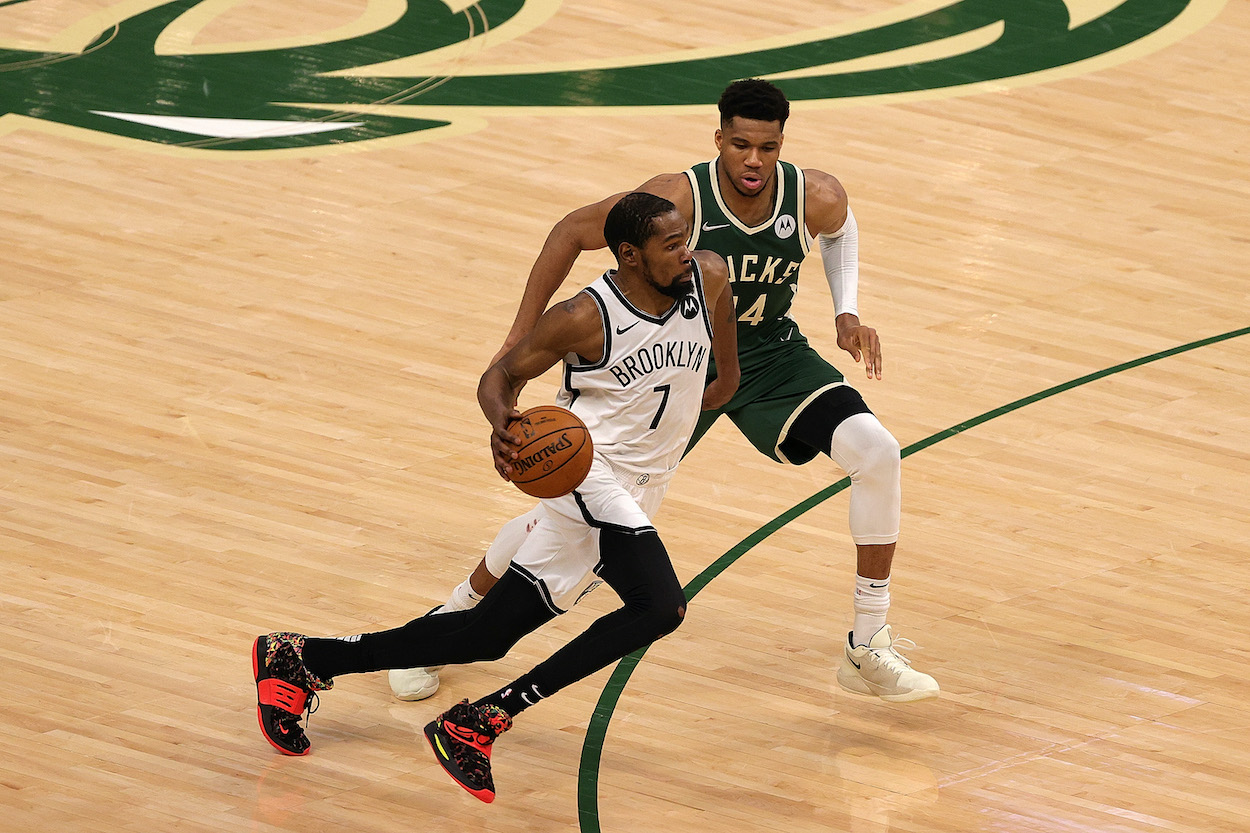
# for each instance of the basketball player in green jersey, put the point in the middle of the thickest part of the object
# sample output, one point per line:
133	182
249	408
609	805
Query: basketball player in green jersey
763	216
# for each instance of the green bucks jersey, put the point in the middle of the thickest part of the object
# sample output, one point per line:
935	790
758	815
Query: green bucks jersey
763	260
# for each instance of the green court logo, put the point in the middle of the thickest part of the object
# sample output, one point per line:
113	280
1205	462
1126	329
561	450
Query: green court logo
409	74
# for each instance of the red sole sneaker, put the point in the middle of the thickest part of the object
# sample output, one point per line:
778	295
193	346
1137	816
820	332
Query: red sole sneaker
276	702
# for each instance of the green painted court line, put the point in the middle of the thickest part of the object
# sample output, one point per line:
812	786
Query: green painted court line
596	732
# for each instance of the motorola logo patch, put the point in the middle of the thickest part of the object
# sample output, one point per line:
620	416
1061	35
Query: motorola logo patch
785	226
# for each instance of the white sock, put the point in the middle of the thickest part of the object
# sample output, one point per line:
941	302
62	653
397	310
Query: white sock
462	598
871	604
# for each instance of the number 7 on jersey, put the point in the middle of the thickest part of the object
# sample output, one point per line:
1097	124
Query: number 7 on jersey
663	391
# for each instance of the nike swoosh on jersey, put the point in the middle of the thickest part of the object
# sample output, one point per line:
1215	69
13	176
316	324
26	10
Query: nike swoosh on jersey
707	227
623	330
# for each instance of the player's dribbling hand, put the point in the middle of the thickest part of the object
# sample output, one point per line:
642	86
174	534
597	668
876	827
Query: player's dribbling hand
503	444
860	342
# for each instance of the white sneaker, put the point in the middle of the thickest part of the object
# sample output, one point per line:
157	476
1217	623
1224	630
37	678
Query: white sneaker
414	683
880	670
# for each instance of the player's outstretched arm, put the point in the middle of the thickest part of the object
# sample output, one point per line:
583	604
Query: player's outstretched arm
724	330
573	326
830	219
580	231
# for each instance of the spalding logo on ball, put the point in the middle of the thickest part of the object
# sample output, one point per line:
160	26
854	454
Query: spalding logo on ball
555	452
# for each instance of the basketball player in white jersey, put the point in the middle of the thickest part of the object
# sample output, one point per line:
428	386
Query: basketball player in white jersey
763	215
636	345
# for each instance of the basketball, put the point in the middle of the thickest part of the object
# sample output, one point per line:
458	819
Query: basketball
555	452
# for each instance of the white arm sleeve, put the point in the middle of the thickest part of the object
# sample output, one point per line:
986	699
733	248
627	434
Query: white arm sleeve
839	252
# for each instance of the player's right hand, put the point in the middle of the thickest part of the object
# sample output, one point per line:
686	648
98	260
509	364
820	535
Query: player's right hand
503	444
860	342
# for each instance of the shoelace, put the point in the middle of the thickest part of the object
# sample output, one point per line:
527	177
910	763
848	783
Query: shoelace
314	703
488	722
891	653
293	720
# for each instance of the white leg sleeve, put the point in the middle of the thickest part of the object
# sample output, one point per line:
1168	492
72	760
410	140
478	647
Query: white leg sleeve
870	455
509	539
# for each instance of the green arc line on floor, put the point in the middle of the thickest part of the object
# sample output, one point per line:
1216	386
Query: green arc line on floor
596	732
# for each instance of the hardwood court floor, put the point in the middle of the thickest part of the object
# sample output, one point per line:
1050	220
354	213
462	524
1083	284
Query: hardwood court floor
238	396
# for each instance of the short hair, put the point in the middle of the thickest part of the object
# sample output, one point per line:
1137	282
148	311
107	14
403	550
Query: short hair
754	98
632	220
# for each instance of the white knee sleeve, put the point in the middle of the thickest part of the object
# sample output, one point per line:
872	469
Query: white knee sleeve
509	539
870	455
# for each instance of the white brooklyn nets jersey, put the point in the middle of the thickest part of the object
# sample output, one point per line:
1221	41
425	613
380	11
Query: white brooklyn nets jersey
642	399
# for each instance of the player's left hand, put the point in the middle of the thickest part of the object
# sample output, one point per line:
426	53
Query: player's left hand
860	342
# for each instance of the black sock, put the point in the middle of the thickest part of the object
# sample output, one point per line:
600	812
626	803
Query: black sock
515	697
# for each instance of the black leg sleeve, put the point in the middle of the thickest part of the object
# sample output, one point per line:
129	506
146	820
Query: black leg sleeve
637	567
512	609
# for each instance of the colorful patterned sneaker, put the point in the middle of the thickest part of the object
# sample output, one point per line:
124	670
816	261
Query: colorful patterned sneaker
415	683
880	670
283	688
461	738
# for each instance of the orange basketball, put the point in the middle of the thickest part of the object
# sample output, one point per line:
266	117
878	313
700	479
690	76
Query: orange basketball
555	452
